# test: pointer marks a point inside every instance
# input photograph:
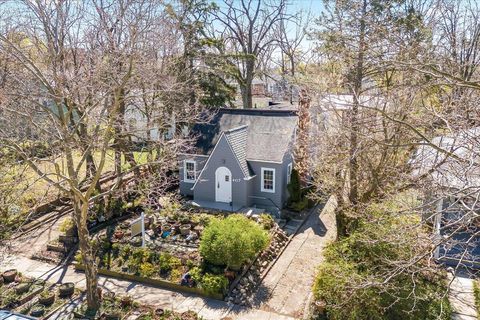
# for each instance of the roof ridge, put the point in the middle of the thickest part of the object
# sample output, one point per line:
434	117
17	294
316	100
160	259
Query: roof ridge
261	112
236	128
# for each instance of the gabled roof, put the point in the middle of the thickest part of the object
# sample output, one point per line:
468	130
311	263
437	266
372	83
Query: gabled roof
237	139
269	133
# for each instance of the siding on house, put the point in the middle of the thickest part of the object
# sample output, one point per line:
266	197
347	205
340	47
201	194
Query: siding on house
222	156
186	186
262	198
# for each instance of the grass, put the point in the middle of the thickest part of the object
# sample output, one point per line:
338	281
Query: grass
476	293
21	188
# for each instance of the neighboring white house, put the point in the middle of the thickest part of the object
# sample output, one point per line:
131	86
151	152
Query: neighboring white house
453	190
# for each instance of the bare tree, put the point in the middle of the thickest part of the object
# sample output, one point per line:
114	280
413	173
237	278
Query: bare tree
79	66
248	30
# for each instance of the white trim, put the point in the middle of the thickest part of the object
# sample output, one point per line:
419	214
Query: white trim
289	172
264	161
185	179
206	163
193	154
262	180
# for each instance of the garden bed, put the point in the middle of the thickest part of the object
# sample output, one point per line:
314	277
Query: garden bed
19	291
173	258
47	302
122	307
154	282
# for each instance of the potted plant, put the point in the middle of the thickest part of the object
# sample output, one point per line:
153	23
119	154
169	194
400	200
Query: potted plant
185	229
37	310
66	289
119	234
9	275
46	298
126	301
22	288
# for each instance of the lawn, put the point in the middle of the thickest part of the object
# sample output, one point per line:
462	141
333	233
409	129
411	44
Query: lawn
21	188
476	292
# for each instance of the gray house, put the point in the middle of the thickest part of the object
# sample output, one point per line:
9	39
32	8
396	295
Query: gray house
242	158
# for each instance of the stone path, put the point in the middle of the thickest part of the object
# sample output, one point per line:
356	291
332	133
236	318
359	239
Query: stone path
286	289
462	299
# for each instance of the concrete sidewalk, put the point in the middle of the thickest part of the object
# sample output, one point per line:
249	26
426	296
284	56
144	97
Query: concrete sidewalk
462	298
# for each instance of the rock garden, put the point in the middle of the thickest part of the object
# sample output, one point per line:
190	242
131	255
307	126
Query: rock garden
190	251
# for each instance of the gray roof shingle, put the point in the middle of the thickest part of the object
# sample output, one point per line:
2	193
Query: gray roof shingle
237	138
269	133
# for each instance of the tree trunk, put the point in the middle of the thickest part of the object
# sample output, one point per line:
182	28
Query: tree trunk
88	257
354	126
247	88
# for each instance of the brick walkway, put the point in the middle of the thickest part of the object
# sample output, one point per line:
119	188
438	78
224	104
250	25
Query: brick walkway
286	289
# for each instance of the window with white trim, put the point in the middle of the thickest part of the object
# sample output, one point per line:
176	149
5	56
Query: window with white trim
190	171
268	180
289	173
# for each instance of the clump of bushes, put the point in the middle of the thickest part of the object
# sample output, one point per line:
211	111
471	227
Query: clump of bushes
298	199
232	241
358	279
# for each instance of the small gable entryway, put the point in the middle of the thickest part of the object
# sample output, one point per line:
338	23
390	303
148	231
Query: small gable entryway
223	185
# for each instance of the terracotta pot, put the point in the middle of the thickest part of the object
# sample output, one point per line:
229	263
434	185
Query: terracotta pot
37	310
119	234
9	275
166	227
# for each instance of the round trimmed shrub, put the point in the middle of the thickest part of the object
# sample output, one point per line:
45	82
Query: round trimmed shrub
232	241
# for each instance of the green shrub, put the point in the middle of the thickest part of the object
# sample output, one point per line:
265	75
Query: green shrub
67	225
125	251
232	241
147	269
212	283
176	275
167	262
476	292
266	221
352	280
294	188
196	274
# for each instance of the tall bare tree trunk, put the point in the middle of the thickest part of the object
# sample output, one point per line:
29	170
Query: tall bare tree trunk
246	89
88	257
356	88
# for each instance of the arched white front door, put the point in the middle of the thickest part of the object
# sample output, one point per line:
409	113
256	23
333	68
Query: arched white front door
223	185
